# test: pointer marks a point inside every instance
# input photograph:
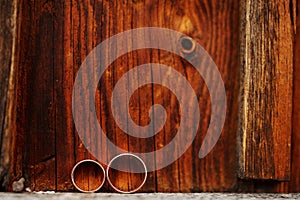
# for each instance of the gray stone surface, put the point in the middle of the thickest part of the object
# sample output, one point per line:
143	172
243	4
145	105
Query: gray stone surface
141	196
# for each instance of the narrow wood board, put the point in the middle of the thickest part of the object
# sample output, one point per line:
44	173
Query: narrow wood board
8	60
264	136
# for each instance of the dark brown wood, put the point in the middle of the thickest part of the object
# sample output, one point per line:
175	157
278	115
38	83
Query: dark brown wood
56	38
294	184
60	35
63	81
39	112
264	134
8	60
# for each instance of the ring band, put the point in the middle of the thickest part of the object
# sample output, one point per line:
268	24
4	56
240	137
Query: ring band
87	161
113	186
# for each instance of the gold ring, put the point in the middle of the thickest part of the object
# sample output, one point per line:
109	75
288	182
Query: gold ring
117	189
84	162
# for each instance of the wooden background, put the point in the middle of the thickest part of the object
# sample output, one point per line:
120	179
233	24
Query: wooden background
54	39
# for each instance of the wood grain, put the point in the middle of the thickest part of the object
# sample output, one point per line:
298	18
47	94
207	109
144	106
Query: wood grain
294	184
37	66
265	90
8	60
63	81
61	34
56	38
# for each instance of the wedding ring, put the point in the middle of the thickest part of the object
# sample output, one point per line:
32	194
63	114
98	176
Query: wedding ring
110	166
81	164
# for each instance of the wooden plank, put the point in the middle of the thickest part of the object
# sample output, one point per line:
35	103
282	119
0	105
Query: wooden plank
63	82
41	100
139	106
216	170
116	15
294	184
106	83
8	60
24	55
37	116
83	39
264	136
168	100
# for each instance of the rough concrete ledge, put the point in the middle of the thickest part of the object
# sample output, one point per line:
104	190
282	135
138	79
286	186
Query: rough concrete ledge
141	196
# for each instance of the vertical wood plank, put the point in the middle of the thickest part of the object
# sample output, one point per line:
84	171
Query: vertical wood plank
41	98
8	70
38	114
106	82
28	31
294	184
82	27
264	134
63	82
215	27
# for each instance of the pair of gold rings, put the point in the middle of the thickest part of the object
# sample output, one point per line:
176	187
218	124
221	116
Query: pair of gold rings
82	168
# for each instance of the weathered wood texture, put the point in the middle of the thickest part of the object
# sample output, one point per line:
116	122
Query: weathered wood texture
56	38
58	35
295	169
266	89
8	35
